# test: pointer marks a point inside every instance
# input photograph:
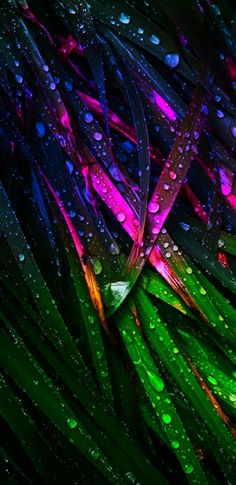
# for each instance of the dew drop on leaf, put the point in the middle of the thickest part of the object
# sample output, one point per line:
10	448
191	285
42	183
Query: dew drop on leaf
188	468
155	381
175	444
233	131
40	129
69	166
166	418
220	113
72	423
124	18
97	267
97	135
121	217
212	380
153	207
172	60
21	257
154	40
172	175
88	117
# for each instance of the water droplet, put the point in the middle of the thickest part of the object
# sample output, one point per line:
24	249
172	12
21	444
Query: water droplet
202	291
91	319
88	117
69	166
40	129
154	39
97	135
45	68
172	175
188	468
153	207
184	226
19	78
21	257
233	131
52	86
175	444
220	113
72	11
97	267
172	60
166	418
68	86
130	477
72	423
212	380
121	217
124	18
155	381
140	30
189	270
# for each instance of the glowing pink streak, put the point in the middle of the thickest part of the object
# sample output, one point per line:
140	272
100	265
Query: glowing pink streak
164	106
74	235
118	206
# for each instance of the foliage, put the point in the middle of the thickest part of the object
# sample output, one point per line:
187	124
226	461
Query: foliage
118	241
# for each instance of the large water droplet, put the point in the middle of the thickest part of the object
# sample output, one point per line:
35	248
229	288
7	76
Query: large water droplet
233	131
97	135
69	166
154	40
72	423
40	129
175	444
153	207
21	257
188	468
124	18
97	266
212	380
220	113
88	117
19	78
172	60
166	418
121	217
155	381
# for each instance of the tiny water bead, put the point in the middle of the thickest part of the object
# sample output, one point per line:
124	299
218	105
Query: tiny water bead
172	60
21	257
154	40
72	423
166	418
124	18
189	270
